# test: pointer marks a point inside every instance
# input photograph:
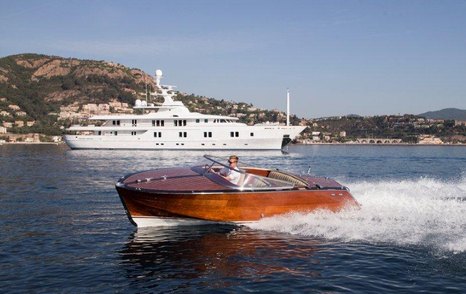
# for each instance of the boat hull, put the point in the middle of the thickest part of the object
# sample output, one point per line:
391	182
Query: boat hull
265	138
145	208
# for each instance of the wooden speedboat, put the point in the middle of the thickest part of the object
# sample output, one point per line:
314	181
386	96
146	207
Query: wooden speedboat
199	194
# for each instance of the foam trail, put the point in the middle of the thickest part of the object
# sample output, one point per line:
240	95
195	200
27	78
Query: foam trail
425	212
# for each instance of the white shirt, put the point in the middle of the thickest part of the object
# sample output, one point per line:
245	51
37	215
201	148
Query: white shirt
231	174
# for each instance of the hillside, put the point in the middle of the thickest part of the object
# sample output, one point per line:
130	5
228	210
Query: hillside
35	86
447	113
43	94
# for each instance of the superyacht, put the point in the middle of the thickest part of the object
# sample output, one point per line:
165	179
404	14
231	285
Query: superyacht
170	125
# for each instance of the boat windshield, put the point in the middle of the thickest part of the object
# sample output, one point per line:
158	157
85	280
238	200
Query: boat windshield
247	181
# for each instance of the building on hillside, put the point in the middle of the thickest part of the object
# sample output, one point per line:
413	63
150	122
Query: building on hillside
19	123
426	139
5	113
14	107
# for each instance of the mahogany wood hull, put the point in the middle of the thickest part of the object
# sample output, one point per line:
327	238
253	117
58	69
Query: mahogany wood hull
147	208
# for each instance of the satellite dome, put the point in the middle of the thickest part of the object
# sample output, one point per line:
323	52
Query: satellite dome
158	73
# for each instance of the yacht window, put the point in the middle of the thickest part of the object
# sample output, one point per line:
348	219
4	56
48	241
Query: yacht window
118	122
223	121
133	133
183	134
252	134
134	122
180	122
116	133
197	121
207	134
100	133
236	134
153	123
206	120
232	134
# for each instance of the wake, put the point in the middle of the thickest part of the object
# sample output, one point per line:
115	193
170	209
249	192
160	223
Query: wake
426	212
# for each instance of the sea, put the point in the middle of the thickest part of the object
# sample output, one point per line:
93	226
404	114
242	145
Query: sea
64	229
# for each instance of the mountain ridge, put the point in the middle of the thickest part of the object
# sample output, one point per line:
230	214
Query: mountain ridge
34	88
446	114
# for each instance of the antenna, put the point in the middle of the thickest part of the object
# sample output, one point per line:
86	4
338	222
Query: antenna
147	93
287	107
158	76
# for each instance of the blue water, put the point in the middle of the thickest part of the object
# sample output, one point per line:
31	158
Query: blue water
63	228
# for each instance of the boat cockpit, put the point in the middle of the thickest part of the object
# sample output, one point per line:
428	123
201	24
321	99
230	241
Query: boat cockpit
252	178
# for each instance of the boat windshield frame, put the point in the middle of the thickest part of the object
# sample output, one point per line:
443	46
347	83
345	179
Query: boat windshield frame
248	181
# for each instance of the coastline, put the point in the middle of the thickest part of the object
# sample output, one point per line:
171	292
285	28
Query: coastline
31	143
379	144
297	144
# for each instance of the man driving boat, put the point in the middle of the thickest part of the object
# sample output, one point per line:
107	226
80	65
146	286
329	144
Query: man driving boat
231	172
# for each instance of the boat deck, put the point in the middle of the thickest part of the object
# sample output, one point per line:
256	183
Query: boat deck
188	180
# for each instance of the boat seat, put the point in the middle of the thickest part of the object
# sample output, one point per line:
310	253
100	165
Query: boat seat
288	178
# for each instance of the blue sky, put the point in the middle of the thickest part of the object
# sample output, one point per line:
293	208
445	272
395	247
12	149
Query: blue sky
336	57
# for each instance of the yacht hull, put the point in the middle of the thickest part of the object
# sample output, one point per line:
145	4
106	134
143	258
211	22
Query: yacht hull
272	138
199	194
145	208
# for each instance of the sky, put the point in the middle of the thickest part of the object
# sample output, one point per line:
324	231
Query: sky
335	57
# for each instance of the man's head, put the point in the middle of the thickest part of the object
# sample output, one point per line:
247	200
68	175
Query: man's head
233	159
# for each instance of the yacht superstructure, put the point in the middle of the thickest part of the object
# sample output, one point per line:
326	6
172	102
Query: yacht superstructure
171	125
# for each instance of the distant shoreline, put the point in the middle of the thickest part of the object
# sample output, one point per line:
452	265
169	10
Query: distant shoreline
297	144
31	143
378	144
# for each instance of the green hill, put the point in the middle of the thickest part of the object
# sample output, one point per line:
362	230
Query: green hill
40	84
33	88
447	113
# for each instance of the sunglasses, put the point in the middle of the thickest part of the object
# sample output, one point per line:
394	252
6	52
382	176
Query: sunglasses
232	161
